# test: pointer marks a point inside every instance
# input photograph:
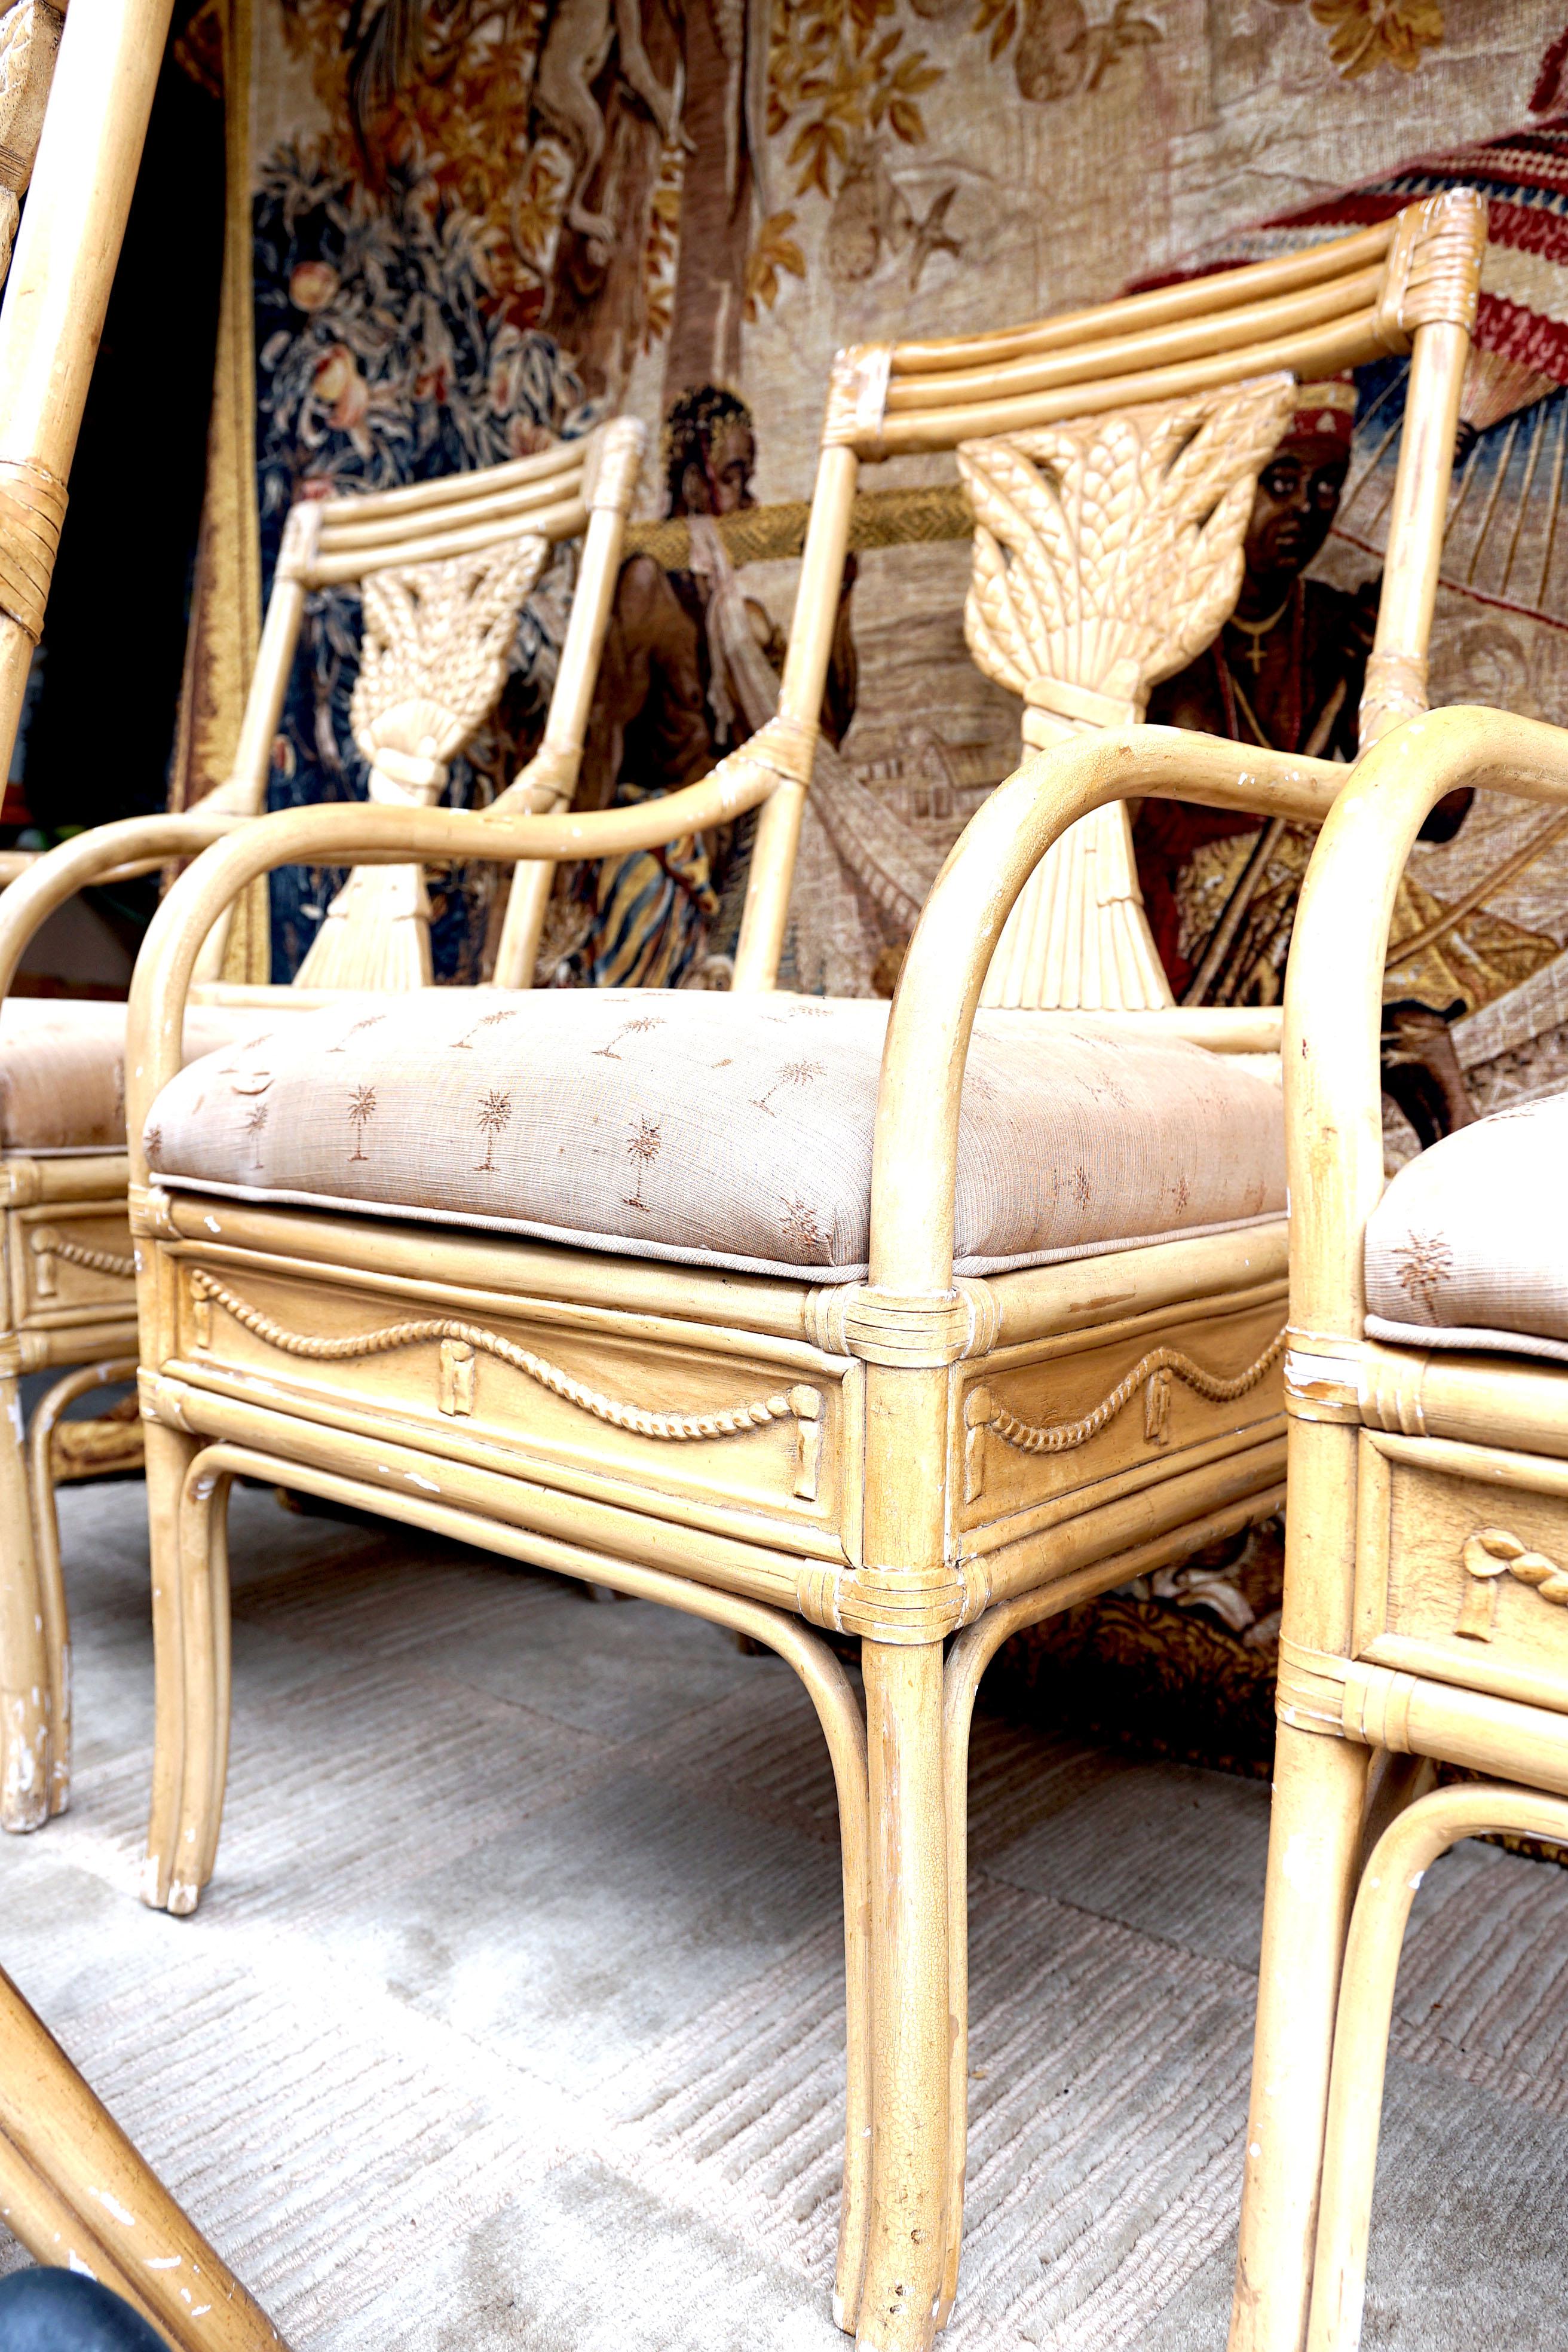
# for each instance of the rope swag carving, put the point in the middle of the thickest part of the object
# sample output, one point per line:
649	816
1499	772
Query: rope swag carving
1064	1436
801	1404
47	1243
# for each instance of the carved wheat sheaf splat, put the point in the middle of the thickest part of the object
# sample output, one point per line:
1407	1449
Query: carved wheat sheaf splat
1108	552
433	661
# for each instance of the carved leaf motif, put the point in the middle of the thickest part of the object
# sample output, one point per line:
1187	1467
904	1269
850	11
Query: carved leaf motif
1108	551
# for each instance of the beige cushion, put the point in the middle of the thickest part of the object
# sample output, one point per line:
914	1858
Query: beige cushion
62	1070
1469	1246
716	1130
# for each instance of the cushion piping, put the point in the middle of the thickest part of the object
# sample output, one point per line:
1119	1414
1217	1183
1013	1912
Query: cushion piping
670	1252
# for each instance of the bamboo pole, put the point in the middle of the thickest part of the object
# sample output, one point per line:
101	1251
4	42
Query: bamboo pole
73	2188
57	296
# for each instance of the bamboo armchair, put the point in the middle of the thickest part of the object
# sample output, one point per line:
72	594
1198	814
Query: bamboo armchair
1428	1464
77	2195
443	566
831	1427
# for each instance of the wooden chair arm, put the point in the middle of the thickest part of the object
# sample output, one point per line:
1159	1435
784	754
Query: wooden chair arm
1333	989
915	1157
117	853
368	834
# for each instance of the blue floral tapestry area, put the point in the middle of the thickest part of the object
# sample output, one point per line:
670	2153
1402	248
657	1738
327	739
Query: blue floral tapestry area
379	362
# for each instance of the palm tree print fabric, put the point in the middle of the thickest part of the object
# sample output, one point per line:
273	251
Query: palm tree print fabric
718	1130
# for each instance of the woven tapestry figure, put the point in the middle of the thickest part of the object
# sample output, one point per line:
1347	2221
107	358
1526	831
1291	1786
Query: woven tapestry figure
1287	670
689	673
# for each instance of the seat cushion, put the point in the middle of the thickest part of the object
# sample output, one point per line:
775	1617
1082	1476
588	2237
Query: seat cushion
1469	1246
62	1070
718	1130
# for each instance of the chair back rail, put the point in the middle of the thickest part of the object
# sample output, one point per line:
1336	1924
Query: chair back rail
1190	298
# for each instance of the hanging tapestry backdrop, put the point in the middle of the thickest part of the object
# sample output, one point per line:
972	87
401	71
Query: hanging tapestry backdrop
475	228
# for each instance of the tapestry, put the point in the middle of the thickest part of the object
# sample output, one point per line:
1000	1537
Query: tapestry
473	229
1476	980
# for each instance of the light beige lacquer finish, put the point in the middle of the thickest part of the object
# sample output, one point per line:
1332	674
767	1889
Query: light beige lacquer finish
443	567
1428	1504
79	2196
899	1459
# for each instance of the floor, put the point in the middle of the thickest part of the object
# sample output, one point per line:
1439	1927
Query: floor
512	2017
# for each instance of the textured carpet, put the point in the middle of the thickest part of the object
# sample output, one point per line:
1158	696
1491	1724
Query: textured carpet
512	2016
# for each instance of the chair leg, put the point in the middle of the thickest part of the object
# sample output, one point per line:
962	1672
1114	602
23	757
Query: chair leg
25	1746
971	1653
909	2008
204	1630
45	1523
74	2190
1406	1850
170	1453
1313	1842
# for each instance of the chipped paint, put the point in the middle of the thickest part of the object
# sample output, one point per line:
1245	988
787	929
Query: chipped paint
415	1478
113	2205
74	2262
212	1224
1296	1863
163	2262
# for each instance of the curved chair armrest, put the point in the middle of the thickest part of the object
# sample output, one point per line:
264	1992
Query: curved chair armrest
1333	988
915	1155
135	844
370	834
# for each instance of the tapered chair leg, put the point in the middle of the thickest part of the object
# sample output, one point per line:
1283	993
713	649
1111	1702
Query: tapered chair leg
169	1455
45	1523
205	1630
1319	1789
910	2008
25	1746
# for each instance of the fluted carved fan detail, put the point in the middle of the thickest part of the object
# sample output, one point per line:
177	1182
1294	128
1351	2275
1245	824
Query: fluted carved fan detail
433	661
1108	552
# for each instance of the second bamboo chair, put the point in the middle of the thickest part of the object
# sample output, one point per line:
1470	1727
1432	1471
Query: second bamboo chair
786	1312
1426	1560
443	567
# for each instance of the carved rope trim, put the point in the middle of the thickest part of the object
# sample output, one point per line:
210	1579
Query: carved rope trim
47	1243
803	1405
1063	1436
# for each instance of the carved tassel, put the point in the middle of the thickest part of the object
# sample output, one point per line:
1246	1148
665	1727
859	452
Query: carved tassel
433	661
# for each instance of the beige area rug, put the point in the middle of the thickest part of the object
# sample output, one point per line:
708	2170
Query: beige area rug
512	2017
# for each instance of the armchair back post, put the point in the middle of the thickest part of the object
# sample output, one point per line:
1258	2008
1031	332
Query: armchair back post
1396	669
549	781
57	297
762	921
